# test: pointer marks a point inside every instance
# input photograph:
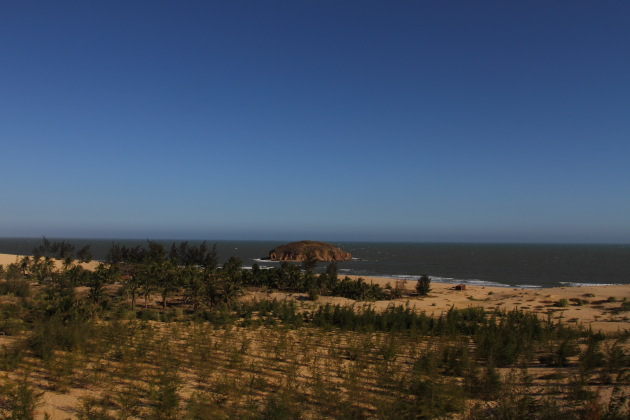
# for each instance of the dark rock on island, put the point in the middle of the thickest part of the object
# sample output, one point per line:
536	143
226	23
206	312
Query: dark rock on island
298	251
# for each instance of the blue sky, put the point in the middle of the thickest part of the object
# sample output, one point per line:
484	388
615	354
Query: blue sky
330	120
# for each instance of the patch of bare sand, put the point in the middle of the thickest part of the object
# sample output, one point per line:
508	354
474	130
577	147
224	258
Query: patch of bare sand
598	306
6	259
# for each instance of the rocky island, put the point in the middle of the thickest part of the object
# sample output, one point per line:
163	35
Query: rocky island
298	251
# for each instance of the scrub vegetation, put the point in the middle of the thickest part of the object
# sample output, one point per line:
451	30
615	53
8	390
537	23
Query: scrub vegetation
168	334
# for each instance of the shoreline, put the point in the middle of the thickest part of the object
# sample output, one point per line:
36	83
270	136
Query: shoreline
6	259
600	307
480	283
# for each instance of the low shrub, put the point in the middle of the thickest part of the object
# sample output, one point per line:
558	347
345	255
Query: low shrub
578	301
18	400
147	315
15	287
423	287
562	303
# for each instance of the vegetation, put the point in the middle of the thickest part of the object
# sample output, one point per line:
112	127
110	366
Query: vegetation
193	348
423	287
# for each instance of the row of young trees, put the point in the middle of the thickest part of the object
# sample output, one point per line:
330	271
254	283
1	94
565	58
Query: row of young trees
194	273
62	250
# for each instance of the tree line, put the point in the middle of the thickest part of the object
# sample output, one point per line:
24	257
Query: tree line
191	272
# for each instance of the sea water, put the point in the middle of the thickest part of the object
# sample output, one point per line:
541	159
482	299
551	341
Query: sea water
508	265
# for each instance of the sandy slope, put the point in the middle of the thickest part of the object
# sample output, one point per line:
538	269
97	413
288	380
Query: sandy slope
596	310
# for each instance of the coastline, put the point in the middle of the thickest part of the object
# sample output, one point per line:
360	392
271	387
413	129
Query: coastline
596	306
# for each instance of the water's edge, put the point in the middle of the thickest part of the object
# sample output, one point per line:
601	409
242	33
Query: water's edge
506	265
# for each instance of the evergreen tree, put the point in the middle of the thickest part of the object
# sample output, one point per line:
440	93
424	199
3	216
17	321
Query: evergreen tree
423	287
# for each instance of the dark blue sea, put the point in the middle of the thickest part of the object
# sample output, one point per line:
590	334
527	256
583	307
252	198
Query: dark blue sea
509	265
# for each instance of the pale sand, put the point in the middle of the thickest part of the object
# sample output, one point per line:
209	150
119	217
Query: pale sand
597	312
6	259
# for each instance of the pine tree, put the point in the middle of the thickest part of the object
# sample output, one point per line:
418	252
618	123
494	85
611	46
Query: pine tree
423	287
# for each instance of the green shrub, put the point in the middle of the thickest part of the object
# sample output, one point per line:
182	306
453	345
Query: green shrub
13	272
11	326
11	356
147	315
281	407
57	333
423	287
15	287
432	397
200	407
92	408
562	303
163	396
18	401
578	301
313	294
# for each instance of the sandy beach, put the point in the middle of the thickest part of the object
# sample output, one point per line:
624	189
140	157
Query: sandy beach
597	307
594	306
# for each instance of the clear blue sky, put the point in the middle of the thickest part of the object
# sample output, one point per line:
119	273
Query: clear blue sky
332	120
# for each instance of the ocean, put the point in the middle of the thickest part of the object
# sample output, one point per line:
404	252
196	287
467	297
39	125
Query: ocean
507	265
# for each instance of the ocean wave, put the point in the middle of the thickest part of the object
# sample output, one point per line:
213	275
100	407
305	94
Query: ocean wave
447	280
471	282
574	284
262	267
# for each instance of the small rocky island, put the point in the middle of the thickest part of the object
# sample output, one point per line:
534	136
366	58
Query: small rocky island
298	251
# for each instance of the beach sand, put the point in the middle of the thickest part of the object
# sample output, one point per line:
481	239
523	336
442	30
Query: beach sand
6	259
598	306
594	306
